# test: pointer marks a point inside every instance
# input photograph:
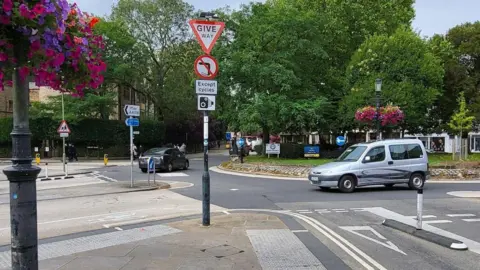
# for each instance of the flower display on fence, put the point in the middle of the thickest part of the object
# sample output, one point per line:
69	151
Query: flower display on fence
61	50
389	115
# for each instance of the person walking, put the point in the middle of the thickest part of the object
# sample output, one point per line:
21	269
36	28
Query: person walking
183	148
74	153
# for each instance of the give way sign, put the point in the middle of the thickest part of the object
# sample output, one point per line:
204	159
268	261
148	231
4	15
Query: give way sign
207	33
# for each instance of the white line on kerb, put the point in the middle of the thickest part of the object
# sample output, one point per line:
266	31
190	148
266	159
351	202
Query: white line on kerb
461	215
299	231
437	221
226	212
427	216
471	219
118	229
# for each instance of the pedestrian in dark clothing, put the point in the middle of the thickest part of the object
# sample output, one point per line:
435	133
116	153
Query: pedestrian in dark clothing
218	143
74	153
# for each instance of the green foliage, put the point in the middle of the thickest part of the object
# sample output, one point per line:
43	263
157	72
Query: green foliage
461	121
90	132
412	78
92	105
274	67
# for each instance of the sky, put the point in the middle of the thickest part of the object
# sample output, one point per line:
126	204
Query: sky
432	16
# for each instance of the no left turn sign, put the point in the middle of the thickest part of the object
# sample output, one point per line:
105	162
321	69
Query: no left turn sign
206	67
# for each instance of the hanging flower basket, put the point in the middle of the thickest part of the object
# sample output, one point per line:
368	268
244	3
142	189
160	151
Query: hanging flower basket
389	115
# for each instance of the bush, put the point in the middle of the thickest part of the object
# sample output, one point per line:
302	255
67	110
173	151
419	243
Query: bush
259	149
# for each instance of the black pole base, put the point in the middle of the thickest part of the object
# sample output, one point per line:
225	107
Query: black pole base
23	215
206	199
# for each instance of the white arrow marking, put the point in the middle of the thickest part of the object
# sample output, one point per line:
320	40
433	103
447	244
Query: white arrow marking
387	244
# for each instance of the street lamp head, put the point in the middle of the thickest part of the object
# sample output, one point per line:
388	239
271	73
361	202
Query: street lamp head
378	85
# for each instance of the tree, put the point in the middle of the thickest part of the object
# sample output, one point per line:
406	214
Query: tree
412	78
91	105
161	27
53	42
461	121
274	61
463	74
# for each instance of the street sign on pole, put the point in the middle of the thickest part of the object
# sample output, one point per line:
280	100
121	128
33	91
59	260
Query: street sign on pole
136	132
132	110
132	122
206	103
64	135
206	67
63	128
340	141
228	136
207	33
206	87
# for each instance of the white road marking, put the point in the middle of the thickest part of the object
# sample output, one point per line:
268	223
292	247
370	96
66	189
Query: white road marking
321	210
427	216
226	212
387	214
461	215
341	211
341	242
387	244
330	234
472	219
305	212
179	174
299	231
437	221
118	229
465	194
234	189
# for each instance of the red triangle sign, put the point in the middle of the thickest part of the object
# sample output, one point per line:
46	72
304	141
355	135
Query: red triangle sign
207	33
63	128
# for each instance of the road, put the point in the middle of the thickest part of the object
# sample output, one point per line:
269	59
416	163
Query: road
344	231
347	225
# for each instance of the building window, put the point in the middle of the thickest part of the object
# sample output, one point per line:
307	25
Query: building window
10	106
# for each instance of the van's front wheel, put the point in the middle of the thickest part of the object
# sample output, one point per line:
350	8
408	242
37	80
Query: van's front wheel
347	184
417	180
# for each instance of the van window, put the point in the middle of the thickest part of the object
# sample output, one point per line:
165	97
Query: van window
376	154
414	151
405	151
398	152
353	153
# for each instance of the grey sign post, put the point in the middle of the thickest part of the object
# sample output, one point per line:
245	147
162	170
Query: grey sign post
131	111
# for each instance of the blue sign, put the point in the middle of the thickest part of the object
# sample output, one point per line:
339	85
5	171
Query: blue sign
311	151
241	141
132	122
228	136
340	141
151	164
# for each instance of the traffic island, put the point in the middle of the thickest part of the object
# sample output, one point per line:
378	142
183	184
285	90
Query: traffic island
426	235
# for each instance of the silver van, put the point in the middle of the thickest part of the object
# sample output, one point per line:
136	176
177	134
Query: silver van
387	162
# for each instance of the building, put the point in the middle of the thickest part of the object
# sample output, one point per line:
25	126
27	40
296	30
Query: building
37	94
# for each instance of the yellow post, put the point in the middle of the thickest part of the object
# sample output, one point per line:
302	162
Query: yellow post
105	159
37	158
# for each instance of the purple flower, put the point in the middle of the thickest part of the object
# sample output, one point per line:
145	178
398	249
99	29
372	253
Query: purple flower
49	7
41	20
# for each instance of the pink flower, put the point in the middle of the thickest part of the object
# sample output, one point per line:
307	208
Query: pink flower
3	57
4	19
24	11
24	72
1	76
58	60
9	83
7	5
78	40
35	46
38	9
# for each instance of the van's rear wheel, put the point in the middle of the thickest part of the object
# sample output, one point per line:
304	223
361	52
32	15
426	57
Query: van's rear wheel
417	180
347	184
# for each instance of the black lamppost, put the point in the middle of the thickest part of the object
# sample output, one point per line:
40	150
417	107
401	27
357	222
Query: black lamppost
378	90
22	174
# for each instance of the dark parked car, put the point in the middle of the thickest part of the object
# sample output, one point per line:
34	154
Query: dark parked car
166	159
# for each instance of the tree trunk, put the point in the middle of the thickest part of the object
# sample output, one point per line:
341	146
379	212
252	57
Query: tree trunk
22	175
266	139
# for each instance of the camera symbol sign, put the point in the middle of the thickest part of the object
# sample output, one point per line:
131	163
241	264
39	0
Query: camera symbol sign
206	67
206	103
